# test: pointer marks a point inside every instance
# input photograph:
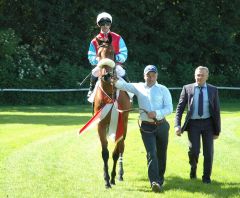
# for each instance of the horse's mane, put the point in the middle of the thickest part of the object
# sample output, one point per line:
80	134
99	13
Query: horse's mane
102	43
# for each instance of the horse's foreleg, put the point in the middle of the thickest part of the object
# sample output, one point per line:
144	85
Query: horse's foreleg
105	155
115	159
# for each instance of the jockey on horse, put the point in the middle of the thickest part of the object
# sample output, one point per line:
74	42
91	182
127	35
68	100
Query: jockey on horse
104	21
111	109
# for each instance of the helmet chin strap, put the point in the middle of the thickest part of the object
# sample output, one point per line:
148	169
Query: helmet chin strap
105	32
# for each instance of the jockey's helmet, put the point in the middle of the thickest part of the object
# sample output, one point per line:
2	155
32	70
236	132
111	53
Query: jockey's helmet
104	16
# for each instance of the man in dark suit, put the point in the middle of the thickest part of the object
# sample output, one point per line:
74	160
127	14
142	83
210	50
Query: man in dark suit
202	119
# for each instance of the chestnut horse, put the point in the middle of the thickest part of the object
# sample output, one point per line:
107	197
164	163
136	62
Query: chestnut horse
105	94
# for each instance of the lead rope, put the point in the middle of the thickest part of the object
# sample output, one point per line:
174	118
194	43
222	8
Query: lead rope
143	111
128	110
140	128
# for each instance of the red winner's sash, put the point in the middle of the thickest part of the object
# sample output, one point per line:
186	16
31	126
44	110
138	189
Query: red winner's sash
116	123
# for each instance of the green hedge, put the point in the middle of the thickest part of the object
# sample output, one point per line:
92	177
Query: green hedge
44	44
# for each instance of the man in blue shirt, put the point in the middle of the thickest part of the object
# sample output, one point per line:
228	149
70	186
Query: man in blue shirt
155	103
202	120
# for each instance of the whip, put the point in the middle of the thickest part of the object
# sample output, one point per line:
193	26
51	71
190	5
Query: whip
80	84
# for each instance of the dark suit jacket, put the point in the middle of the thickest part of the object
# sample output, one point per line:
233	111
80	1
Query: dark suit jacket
186	98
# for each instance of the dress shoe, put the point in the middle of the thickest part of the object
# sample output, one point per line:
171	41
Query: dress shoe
161	181
156	187
193	174
206	180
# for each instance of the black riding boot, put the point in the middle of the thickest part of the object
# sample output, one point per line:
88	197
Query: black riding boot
93	81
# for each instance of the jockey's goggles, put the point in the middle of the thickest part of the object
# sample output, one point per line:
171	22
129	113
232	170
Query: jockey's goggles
104	22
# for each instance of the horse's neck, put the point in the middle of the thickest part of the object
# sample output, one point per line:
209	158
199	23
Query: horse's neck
107	55
108	88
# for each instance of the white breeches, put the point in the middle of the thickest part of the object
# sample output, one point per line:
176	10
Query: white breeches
119	70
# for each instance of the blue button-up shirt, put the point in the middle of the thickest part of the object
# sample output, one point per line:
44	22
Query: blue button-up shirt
155	98
206	113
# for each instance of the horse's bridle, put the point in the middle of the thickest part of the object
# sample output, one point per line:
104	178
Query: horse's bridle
107	78
109	75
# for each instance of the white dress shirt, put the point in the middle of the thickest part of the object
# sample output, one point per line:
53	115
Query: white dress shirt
206	113
156	98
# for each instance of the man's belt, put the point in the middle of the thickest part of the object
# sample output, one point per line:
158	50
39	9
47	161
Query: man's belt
156	123
201	119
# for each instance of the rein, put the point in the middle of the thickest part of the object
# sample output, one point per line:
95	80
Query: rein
113	100
139	109
143	111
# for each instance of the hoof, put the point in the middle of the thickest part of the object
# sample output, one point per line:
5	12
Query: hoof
108	185
120	178
113	182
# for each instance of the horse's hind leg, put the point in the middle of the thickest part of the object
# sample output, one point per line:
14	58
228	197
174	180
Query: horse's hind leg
118	154
121	147
121	171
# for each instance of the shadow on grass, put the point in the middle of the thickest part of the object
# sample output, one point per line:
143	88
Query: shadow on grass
48	109
217	189
64	119
51	109
44	119
71	119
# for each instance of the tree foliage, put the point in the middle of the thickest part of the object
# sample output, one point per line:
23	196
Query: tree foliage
44	44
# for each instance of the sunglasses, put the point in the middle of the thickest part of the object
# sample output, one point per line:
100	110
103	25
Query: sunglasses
103	23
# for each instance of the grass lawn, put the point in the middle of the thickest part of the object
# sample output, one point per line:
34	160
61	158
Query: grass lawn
42	156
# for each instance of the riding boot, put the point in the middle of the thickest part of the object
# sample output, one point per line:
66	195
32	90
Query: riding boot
93	81
125	77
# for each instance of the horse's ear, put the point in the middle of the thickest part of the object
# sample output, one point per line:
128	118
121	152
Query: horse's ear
110	38
99	41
